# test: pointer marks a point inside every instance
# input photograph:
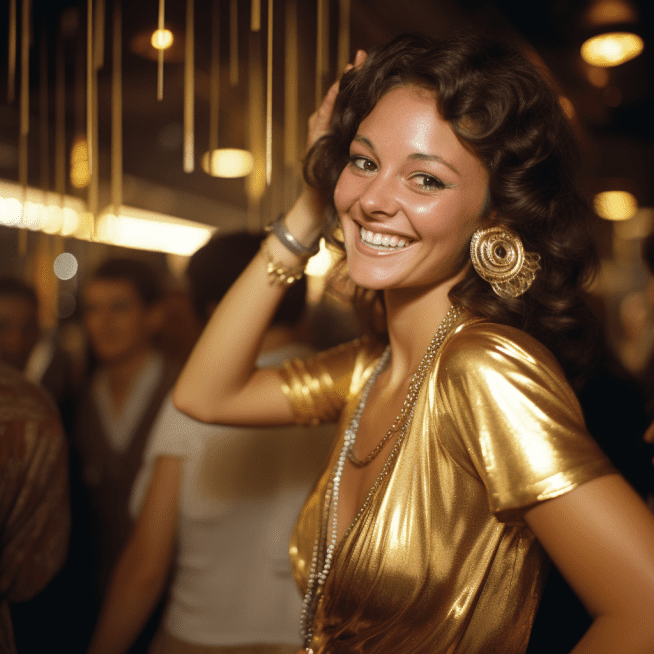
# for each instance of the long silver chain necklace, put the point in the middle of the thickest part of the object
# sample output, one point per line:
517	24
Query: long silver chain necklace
321	549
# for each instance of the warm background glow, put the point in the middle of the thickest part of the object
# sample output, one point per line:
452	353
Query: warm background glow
161	39
611	49
227	162
615	205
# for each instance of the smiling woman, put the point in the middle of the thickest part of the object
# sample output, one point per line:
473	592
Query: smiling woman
409	179
462	460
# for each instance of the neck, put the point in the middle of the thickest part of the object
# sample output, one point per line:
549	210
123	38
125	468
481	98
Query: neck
121	374
413	317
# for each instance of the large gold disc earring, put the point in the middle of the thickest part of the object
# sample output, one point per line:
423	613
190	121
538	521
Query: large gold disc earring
498	257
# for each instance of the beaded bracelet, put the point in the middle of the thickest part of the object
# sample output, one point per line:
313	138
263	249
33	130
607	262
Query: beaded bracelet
278	273
278	228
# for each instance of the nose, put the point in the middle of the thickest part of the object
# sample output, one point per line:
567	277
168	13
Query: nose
380	196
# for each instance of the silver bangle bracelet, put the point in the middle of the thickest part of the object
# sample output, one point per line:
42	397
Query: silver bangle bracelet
289	241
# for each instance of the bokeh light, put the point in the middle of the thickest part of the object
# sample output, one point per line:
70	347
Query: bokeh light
65	266
615	205
611	49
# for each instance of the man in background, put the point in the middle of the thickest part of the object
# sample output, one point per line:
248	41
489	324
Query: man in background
122	309
38	355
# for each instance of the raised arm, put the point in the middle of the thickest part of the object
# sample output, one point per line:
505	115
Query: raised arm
220	382
601	537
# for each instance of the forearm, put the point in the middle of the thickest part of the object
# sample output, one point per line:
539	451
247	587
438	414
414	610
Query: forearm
223	360
130	600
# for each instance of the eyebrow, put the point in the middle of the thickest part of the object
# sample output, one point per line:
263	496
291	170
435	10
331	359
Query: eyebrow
417	156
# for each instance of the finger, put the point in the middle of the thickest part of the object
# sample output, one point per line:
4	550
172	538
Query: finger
359	58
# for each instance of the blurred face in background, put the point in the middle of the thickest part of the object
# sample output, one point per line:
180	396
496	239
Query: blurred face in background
118	323
19	329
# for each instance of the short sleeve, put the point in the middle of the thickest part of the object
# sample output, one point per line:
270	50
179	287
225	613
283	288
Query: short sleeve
318	388
514	417
173	434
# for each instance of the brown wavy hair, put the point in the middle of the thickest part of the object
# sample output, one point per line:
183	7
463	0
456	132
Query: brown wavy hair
503	109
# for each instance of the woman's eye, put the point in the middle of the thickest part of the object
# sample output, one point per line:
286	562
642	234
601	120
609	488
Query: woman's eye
428	183
362	163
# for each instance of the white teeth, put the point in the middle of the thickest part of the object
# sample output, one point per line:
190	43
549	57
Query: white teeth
383	241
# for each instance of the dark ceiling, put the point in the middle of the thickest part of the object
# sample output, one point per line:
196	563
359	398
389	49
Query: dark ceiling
618	140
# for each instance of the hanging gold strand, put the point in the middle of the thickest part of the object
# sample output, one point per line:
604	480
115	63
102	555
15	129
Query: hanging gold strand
189	90
91	120
89	84
60	120
269	92
98	38
233	43
160	52
60	137
290	85
24	92
214	90
44	137
11	72
343	34
255	16
24	115
255	184
322	35
117	111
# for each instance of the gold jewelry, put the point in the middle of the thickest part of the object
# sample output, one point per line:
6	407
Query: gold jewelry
499	257
399	424
278	273
325	545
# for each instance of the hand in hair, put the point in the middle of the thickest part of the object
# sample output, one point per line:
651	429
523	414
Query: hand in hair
320	119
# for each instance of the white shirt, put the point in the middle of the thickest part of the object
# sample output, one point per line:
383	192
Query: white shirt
241	491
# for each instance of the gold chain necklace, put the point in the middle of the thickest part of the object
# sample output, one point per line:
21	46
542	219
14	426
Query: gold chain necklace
414	388
325	545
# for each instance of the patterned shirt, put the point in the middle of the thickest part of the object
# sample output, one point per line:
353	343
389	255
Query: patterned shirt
34	502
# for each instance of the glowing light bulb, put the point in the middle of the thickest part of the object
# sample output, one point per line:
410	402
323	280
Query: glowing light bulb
79	163
611	49
228	162
615	205
161	39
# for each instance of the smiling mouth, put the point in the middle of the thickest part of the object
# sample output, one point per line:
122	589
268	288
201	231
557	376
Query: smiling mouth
383	241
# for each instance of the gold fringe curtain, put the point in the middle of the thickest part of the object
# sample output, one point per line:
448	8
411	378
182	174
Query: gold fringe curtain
189	89
11	41
160	53
117	110
214	82
269	96
233	42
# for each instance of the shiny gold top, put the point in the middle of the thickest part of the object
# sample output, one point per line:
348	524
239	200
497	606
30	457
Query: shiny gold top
441	560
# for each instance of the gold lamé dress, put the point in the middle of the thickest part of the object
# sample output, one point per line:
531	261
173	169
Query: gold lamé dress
441	560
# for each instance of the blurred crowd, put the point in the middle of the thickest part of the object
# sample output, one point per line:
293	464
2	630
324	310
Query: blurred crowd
127	526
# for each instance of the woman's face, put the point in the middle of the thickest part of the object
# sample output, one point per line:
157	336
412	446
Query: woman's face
410	197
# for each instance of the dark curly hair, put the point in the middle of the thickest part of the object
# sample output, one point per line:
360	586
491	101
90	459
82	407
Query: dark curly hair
144	279
502	108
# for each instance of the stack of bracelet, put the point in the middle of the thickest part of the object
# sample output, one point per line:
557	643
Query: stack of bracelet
278	273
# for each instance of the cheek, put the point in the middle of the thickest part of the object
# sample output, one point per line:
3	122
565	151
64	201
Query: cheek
344	193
